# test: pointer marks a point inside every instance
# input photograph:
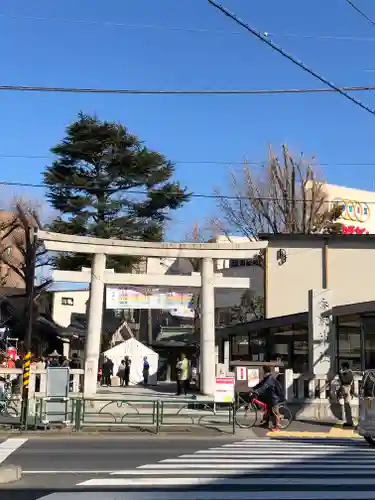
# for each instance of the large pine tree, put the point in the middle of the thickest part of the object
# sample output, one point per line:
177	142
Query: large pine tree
106	183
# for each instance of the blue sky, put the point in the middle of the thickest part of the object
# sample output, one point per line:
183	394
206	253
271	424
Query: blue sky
98	53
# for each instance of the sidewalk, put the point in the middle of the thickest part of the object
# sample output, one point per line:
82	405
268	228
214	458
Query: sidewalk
313	429
160	391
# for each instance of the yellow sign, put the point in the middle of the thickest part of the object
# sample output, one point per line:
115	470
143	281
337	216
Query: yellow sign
355	211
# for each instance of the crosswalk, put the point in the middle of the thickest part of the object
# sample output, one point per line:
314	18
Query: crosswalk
266	469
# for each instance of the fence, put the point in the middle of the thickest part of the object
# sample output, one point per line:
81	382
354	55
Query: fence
302	387
38	380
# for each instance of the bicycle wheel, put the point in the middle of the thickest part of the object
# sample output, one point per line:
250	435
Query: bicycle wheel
286	417
11	411
246	416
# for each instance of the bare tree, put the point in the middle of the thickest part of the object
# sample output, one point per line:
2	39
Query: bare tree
286	196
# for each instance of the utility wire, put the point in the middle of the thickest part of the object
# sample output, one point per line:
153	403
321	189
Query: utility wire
138	191
206	162
360	12
281	51
82	90
113	24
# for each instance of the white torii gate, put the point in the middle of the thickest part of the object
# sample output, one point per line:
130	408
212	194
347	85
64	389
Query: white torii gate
98	277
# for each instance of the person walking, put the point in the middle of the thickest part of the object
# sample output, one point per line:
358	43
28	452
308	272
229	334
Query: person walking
182	371
121	372
145	371
107	371
128	363
346	389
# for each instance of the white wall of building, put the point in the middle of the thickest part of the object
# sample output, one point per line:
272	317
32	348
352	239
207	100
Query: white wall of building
66	302
229	298
225	263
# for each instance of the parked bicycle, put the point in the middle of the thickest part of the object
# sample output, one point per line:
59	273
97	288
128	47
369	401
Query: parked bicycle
7	406
250	414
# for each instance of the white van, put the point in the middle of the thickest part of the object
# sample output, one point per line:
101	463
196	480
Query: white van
366	420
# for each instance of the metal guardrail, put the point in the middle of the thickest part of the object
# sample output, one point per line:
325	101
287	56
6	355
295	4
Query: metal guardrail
152	414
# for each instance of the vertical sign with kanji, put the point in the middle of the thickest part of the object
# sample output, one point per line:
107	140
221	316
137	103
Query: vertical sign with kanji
321	335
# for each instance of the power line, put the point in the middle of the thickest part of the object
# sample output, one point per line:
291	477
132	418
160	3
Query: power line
360	12
186	162
113	24
137	191
281	51
207	162
82	90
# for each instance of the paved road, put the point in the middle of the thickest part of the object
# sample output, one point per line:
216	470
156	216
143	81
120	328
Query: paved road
63	462
186	469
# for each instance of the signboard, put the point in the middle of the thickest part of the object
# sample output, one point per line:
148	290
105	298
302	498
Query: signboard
353	210
224	390
252	377
241	373
322	336
12	353
118	297
354	230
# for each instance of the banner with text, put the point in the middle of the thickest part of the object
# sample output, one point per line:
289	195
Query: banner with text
130	298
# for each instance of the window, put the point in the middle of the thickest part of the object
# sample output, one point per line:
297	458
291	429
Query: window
349	342
67	301
240	347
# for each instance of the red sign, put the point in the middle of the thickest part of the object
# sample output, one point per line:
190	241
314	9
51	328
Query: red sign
354	230
12	353
225	380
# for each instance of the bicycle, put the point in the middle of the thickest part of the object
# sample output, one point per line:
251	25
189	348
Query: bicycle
7	408
247	415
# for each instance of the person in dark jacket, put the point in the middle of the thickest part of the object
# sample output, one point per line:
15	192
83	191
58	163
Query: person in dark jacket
270	392
146	370
107	371
128	364
75	363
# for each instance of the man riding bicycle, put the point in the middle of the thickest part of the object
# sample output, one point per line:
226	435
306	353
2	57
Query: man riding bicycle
270	392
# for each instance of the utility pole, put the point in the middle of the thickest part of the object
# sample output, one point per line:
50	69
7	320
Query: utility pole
30	258
291	182
294	215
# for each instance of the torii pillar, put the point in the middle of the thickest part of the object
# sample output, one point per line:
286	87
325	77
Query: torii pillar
94	327
207	333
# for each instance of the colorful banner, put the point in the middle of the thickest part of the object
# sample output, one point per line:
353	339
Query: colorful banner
126	298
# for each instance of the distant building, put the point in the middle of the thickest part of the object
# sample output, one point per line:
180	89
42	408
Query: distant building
358	216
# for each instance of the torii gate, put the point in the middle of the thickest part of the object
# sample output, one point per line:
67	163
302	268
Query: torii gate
98	277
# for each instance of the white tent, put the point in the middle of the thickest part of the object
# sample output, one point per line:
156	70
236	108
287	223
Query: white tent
136	352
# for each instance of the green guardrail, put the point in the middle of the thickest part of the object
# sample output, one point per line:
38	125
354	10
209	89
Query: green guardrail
80	413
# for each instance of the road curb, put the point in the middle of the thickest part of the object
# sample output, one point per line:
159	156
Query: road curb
10	474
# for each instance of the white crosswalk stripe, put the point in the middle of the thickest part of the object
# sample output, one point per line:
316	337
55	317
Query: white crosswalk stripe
267	469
